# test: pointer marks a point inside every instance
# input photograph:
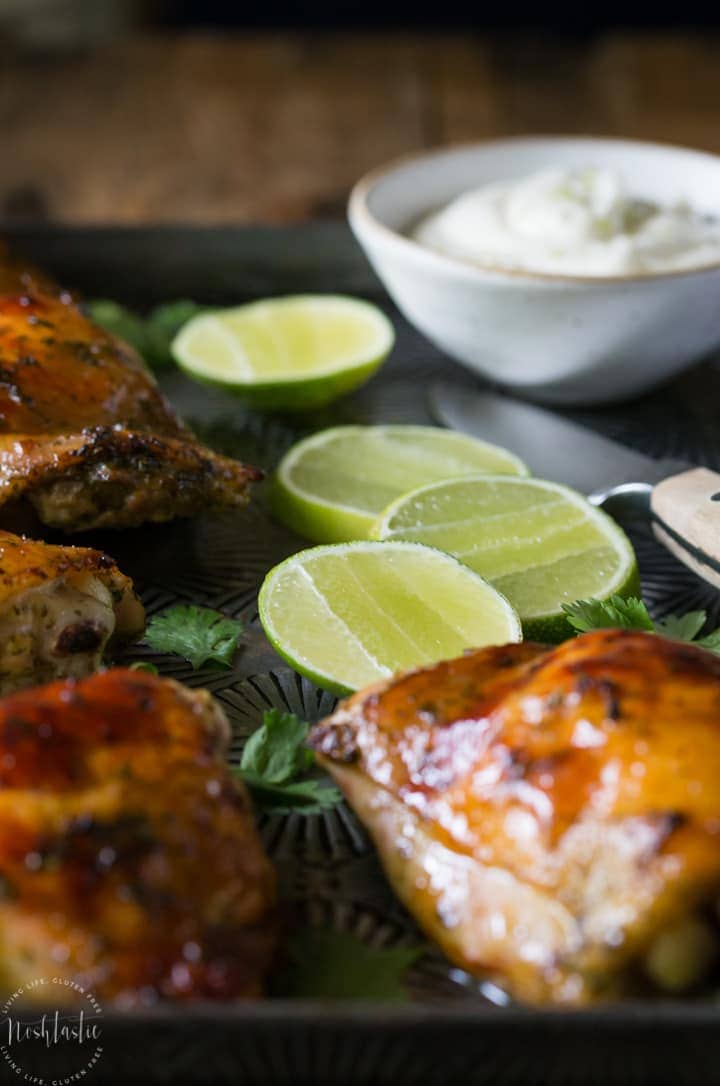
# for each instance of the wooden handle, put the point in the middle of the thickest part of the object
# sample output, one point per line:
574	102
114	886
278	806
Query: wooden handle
686	518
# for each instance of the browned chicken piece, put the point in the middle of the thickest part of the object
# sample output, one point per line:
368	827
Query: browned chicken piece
60	607
129	858
85	433
551	817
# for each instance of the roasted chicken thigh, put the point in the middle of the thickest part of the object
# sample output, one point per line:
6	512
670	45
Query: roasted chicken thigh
129	859
59	609
550	816
85	433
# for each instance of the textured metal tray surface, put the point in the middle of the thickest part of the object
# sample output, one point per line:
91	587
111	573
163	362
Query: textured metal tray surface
328	872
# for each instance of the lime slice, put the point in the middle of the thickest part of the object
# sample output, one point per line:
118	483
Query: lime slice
350	614
539	543
332	486
287	354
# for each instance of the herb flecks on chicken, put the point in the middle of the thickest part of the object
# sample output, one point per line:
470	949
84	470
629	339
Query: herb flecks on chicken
85	433
550	816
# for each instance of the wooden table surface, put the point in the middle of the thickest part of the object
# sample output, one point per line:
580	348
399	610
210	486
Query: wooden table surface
268	128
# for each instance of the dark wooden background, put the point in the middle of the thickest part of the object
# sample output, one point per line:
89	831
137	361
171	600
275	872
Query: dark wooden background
208	128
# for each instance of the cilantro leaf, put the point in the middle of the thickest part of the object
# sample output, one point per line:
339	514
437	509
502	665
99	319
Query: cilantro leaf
162	326
273	763
275	752
614	613
171	316
336	965
198	634
304	797
711	641
681	627
120	322
632	614
144	665
150	336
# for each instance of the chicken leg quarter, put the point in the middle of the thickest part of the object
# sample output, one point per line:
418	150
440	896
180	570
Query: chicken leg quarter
551	817
129	859
86	435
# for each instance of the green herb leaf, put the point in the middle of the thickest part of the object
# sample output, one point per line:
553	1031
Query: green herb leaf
151	337
273	763
711	641
275	752
144	665
120	322
614	613
198	634
304	797
162	326
171	316
681	627
632	614
336	965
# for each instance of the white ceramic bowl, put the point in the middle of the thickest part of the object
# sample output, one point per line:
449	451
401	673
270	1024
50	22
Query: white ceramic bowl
563	339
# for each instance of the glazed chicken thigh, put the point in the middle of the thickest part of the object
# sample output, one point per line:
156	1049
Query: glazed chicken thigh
60	607
551	817
85	433
129	859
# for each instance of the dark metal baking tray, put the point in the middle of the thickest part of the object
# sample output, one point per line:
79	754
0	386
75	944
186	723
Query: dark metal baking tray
449	1032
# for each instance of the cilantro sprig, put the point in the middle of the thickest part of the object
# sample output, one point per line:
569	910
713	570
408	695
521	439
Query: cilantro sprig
632	614
275	765
198	634
326	964
151	336
613	613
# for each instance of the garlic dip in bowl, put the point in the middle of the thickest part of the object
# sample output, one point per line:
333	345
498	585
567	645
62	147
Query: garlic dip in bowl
581	221
569	270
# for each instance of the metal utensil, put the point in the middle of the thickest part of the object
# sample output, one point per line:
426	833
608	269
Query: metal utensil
682	501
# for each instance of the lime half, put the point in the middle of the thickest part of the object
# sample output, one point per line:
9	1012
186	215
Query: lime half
287	354
539	543
332	486
350	614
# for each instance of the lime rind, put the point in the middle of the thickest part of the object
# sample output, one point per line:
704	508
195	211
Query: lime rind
334	626
322	520
547	623
251	351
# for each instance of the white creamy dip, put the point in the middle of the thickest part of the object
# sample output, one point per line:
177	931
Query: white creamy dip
570	222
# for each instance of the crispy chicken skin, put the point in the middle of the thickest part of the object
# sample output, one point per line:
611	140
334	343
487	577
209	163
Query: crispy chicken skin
59	609
551	817
85	433
129	858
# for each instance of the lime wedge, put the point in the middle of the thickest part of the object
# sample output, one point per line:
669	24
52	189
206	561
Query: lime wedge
539	543
332	486
350	614
287	354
